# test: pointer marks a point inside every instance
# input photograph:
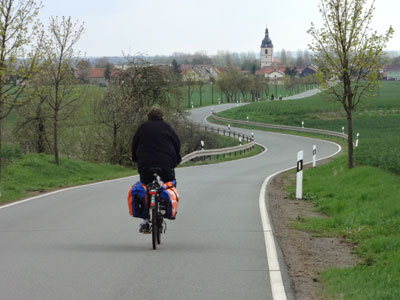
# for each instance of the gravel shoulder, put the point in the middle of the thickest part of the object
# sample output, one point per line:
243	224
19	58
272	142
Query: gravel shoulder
305	254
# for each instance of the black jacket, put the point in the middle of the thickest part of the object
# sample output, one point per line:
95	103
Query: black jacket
155	144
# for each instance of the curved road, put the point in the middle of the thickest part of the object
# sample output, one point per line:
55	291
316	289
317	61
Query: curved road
82	244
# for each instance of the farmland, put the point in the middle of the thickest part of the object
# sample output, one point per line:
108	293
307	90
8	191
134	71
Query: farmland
361	205
377	120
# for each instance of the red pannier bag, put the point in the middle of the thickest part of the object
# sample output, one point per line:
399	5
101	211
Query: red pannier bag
137	201
169	199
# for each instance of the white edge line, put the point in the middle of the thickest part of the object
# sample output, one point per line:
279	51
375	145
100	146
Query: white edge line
275	275
63	190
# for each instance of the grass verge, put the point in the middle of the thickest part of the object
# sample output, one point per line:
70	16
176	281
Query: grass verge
29	175
37	173
376	119
335	139
363	206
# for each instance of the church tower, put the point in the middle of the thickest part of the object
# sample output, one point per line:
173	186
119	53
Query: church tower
267	50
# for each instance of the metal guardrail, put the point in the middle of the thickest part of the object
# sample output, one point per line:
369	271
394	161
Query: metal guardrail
223	151
273	126
225	132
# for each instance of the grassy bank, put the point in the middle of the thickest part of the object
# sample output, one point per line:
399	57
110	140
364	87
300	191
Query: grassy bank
28	175
331	138
376	119
363	206
35	173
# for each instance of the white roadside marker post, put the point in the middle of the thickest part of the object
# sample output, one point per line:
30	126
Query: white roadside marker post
202	145
299	181
358	135
252	136
229	126
302	124
314	156
240	141
247	119
192	105
343	129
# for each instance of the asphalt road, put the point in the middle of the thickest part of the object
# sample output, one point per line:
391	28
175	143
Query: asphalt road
82	243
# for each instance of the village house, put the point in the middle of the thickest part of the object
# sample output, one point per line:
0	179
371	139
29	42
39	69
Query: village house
96	76
199	72
309	70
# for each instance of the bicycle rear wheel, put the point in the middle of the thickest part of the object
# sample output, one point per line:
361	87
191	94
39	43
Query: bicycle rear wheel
154	228
160	228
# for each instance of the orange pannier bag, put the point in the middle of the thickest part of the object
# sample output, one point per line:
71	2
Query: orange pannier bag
169	199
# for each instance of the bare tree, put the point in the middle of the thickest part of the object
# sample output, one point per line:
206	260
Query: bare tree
284	59
60	59
136	87
82	70
17	33
200	84
34	117
349	55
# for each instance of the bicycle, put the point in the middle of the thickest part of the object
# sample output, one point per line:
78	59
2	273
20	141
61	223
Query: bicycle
155	218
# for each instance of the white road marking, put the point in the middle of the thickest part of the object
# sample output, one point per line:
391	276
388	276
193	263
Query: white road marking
62	190
275	275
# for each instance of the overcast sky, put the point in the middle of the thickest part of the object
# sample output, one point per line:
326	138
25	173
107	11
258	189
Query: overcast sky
165	26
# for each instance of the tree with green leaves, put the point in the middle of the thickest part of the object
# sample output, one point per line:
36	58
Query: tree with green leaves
107	71
60	59
33	122
176	68
349	55
82	70
18	53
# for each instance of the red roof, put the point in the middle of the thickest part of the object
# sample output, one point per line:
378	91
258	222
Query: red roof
269	70
96	73
99	72
115	72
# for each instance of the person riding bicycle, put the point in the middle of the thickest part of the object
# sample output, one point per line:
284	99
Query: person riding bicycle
155	145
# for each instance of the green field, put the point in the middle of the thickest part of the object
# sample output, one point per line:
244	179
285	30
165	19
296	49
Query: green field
363	205
28	175
376	119
207	98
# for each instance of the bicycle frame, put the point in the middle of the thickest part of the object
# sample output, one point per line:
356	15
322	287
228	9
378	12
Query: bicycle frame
155	218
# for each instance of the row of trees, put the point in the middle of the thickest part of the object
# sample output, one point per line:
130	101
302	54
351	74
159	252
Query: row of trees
35	64
55	113
236	85
301	59
225	59
97	124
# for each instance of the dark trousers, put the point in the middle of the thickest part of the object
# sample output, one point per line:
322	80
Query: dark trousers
146	176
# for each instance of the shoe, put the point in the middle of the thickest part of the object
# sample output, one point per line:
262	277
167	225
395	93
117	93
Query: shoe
144	228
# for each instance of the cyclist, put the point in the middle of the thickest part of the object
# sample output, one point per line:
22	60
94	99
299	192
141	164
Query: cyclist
155	145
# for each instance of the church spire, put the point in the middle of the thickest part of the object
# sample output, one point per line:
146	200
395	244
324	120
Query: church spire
266	42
